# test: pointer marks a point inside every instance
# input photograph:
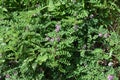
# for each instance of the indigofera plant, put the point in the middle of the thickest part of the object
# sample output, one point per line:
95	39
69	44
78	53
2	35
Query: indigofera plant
59	40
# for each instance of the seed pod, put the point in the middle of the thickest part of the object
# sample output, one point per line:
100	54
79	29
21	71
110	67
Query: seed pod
115	62
103	62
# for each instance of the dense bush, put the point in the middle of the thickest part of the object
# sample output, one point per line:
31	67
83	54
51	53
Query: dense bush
59	40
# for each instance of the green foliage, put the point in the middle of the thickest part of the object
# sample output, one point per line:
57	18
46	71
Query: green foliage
58	39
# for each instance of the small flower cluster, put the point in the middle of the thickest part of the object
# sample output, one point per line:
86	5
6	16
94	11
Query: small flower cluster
47	38
53	39
57	27
75	27
110	77
7	76
104	35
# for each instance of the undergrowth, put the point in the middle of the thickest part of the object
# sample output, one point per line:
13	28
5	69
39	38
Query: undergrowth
59	39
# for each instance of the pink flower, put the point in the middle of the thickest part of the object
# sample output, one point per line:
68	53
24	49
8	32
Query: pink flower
7	76
100	34
47	38
75	27
58	39
110	77
106	35
52	39
57	29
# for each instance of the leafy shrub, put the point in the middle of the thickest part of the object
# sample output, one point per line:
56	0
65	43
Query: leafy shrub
15	5
63	40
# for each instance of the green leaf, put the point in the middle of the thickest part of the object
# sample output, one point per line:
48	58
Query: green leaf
83	53
54	64
61	69
34	65
2	61
41	58
97	51
51	6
